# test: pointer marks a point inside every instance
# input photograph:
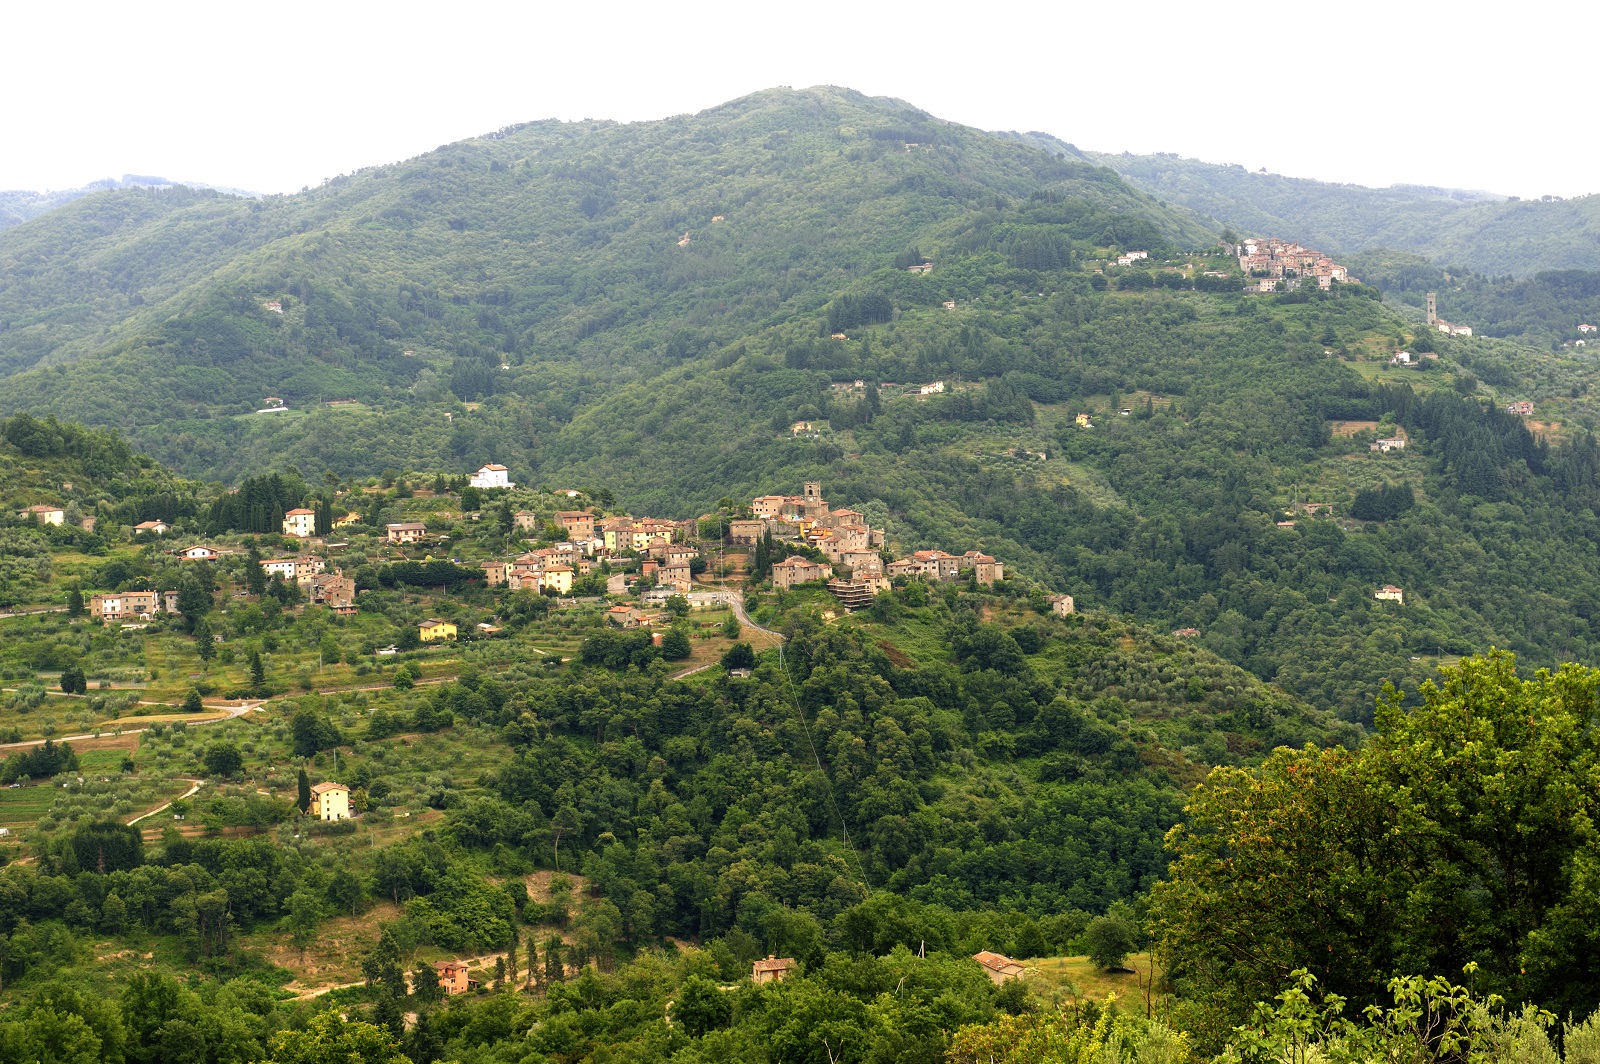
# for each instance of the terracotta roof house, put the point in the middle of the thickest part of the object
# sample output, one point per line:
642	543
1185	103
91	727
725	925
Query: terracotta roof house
330	801
198	553
797	570
999	967
154	528
406	531
491	476
453	977
44	514
300	522
772	970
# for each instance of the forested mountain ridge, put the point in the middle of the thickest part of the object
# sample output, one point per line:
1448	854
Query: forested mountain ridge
1480	231
558	232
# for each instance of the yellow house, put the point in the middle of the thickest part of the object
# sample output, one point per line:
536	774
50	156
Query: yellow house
351	518
433	631
330	801
558	577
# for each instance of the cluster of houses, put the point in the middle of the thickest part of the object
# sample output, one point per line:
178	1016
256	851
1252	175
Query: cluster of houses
854	570
1273	262
591	540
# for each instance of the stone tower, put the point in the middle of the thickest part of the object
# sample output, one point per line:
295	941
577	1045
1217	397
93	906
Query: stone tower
1433	308
813	492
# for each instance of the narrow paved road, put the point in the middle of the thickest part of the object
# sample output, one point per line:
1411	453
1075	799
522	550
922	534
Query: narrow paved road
29	613
229	713
195	786
735	602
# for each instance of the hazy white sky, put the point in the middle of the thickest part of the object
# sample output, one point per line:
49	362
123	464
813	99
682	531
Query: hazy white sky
272	97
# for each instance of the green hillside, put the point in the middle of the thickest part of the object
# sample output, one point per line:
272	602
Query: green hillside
610	843
543	242
556	323
1479	231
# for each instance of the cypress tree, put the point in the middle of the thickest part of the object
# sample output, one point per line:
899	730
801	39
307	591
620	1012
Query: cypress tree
303	792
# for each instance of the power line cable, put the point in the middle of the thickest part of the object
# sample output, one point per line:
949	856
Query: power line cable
833	801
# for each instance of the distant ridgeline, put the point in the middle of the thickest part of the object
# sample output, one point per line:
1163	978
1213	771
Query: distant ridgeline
1481	231
1550	308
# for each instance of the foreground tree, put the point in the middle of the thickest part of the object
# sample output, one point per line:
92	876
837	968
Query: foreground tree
1462	833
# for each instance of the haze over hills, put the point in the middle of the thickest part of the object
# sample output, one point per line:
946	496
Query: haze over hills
19	205
1480	231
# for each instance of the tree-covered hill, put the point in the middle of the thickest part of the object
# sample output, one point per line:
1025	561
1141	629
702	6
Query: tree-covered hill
1483	232
1546	309
547	241
528	298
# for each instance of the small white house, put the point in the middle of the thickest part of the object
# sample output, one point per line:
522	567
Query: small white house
1390	593
491	476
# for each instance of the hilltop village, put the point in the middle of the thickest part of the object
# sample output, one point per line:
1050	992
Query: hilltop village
1272	265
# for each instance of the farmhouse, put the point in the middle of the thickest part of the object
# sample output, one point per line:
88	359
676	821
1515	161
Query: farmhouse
122	604
300	522
45	515
772	970
153	528
999	967
453	977
491	476
330	801
1390	593
406	532
434	630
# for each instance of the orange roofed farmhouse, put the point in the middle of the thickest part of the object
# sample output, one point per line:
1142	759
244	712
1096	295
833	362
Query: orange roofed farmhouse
771	970
999	967
453	977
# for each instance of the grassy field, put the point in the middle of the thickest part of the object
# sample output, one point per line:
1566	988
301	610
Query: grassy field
1068	981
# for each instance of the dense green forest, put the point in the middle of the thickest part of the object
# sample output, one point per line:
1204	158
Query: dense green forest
1480	231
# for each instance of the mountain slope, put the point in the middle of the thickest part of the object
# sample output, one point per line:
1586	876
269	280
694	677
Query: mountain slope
528	298
550	233
1483	232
